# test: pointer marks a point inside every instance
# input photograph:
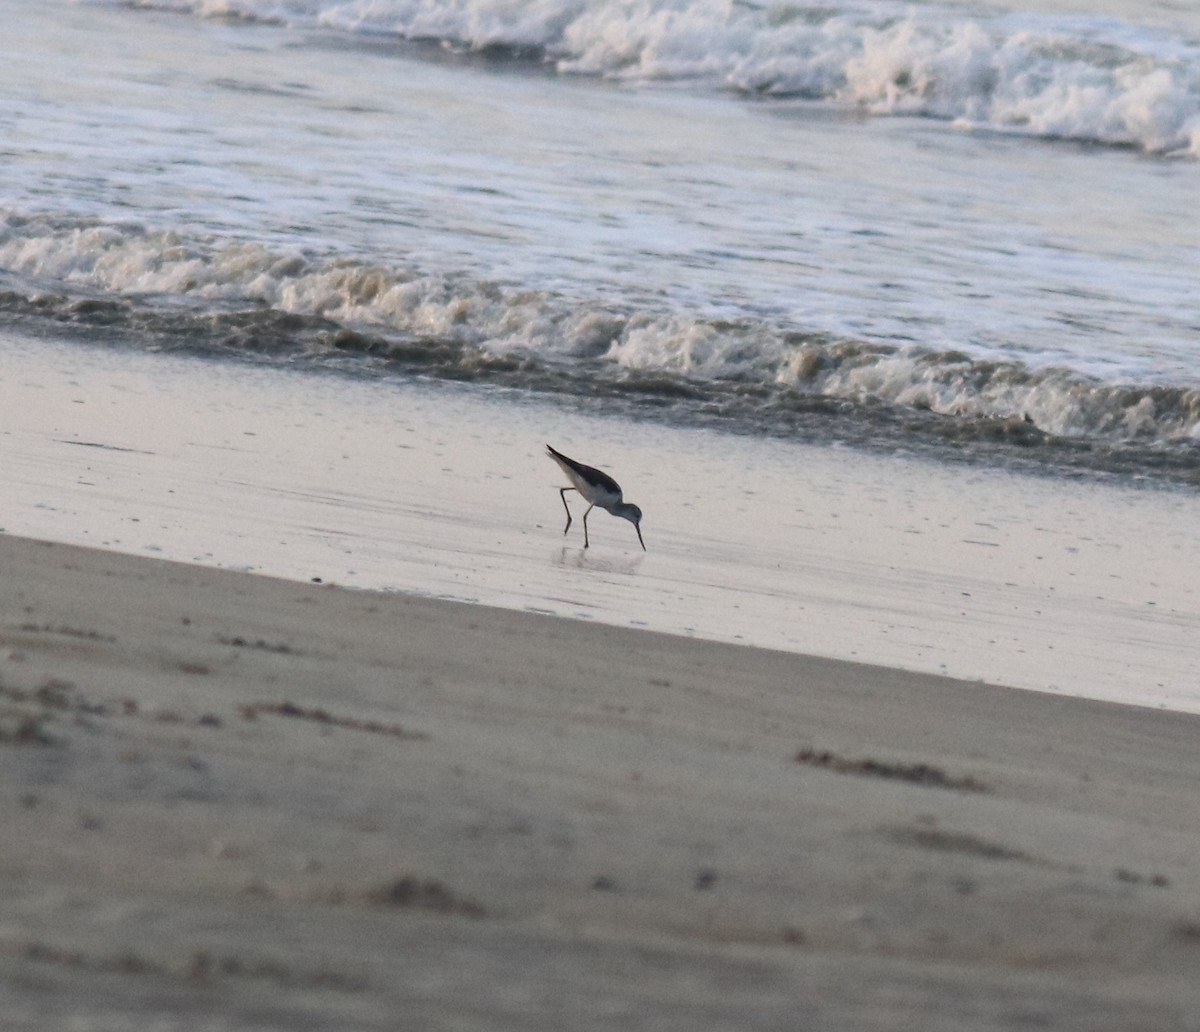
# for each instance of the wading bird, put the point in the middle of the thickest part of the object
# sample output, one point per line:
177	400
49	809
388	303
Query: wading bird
597	489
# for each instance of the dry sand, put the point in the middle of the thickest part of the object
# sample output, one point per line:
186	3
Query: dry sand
232	802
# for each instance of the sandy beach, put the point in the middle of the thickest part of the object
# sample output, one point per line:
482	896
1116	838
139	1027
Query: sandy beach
236	802
318	712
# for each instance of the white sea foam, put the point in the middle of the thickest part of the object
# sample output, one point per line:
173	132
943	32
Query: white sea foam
583	340
1090	79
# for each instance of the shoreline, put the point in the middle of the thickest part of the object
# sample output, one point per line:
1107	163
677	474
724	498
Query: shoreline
281	805
445	492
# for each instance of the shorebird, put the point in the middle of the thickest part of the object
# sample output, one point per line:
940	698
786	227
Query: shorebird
597	489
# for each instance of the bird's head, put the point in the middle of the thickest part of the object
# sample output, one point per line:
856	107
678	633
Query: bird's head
634	515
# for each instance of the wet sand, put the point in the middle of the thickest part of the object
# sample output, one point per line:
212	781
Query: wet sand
235	802
1080	588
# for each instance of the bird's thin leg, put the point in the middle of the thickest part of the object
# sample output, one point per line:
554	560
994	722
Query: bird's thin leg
562	493
585	516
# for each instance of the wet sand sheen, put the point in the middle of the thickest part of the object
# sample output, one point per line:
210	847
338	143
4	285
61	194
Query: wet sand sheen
276	805
1079	588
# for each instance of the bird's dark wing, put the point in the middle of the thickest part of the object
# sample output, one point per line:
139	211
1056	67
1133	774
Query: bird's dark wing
589	473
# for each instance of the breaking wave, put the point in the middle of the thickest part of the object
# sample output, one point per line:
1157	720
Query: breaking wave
159	291
1077	78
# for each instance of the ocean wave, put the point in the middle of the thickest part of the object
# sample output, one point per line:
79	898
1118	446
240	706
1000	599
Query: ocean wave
1076	78
162	291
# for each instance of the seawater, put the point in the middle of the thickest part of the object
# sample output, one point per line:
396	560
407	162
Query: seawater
959	229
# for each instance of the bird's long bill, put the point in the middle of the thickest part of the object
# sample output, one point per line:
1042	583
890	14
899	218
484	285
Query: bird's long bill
638	528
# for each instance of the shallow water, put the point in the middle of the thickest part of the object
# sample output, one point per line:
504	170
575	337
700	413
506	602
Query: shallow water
904	268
